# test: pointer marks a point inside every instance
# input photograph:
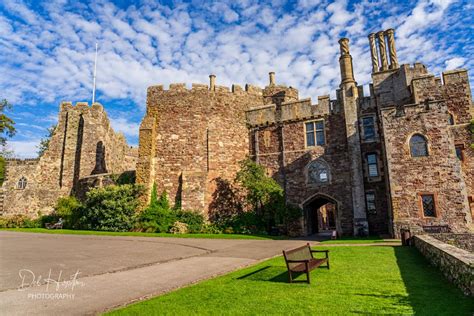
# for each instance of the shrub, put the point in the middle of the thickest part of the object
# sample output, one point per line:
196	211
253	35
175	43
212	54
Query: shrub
157	217
68	208
111	208
179	228
194	220
209	228
19	221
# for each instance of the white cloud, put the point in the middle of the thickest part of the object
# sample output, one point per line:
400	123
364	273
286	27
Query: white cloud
25	148
49	57
454	63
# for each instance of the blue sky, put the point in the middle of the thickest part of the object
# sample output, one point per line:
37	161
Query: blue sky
47	49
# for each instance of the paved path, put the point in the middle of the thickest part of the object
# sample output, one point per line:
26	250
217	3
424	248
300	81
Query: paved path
111	271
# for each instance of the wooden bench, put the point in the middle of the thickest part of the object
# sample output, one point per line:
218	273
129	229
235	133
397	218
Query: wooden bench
301	260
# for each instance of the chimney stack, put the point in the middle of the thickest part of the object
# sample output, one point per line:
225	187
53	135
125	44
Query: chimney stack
345	62
391	48
374	53
212	82
383	50
272	78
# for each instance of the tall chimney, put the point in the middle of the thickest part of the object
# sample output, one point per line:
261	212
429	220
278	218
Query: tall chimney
391	48
345	62
373	53
272	78
212	82
383	50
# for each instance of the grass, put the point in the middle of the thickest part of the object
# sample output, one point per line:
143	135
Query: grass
359	240
362	280
139	234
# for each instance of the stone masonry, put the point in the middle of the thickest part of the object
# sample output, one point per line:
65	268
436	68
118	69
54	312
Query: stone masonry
398	158
82	145
192	138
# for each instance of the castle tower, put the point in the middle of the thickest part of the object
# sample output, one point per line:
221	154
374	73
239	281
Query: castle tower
349	97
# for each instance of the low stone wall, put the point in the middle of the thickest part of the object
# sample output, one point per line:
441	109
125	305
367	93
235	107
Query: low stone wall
463	241
456	264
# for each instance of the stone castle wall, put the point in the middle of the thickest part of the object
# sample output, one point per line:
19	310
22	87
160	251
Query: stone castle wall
83	144
456	264
440	173
189	138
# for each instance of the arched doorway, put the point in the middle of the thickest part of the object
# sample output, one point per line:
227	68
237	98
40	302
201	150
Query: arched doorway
321	215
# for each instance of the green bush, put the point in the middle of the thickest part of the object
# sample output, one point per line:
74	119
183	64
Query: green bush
19	221
194	220
209	228
111	208
157	217
68	208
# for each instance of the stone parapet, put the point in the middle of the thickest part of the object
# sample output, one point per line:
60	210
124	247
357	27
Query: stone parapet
456	264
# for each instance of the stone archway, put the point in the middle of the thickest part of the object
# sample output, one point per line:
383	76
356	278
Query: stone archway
321	214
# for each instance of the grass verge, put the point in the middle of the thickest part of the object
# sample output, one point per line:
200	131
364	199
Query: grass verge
362	280
138	234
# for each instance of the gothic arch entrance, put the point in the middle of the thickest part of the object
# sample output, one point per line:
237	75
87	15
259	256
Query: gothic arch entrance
321	214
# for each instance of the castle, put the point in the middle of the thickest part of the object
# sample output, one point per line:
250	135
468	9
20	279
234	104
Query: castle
397	158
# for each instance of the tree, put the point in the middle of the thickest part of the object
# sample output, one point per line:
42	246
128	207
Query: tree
263	194
7	128
44	143
472	134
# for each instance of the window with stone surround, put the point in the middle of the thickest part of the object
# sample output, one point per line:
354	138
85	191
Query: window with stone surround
315	133
22	183
372	165
418	146
370	202
318	172
368	129
428	204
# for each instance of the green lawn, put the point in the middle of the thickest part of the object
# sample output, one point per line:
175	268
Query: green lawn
359	240
362	280
138	234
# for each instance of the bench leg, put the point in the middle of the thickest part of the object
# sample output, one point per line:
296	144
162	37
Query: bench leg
290	278
327	264
307	277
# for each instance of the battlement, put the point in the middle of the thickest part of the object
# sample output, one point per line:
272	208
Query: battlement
21	161
81	106
289	111
199	87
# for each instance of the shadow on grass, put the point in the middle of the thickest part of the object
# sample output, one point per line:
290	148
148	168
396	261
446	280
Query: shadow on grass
277	274
268	274
429	293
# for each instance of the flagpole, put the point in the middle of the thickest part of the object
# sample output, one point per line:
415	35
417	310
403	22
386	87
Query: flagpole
95	72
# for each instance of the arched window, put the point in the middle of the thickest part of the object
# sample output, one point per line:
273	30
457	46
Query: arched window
22	183
318	172
450	119
418	146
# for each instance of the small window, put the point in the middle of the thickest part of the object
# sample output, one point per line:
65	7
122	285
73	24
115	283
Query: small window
459	152
372	165
450	119
428	202
318	172
22	183
370	202
368	128
418	146
315	133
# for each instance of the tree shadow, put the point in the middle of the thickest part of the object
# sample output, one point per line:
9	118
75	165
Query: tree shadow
429	293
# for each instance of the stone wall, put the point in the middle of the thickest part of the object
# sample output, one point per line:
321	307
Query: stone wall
463	241
83	144
456	264
191	137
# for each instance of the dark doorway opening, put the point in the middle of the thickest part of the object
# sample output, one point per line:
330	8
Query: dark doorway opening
321	215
